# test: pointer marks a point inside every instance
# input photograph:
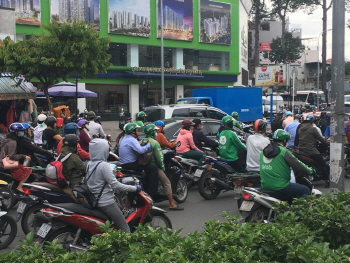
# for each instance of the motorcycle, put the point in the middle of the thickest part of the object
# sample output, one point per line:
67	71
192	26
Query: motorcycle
123	119
221	176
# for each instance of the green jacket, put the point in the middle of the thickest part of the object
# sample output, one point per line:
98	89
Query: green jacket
229	144
139	123
73	167
157	154
275	167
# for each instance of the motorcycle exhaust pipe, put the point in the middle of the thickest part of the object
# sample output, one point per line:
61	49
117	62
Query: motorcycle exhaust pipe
78	247
221	183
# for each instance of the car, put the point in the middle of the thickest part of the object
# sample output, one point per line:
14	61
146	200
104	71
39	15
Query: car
183	111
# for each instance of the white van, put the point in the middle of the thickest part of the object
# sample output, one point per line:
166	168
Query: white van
277	102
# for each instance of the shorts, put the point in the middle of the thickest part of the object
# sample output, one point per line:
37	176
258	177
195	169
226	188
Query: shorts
21	172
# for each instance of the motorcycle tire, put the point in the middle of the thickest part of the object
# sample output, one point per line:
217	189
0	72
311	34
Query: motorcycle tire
160	220
204	185
9	199
28	221
258	215
65	233
7	221
181	191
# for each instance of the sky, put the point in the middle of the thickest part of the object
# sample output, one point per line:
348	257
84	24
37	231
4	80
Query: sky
182	8
141	8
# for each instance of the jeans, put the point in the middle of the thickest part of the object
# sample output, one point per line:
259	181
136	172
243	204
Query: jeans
113	211
324	167
293	191
196	155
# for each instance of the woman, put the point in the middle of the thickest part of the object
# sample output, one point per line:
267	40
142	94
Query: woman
50	136
187	147
9	148
84	138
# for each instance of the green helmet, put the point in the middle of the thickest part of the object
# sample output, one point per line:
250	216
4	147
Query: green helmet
281	135
141	114
150	129
234	114
226	120
91	114
130	127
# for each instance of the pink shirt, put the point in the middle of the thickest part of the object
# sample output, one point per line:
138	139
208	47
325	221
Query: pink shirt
187	143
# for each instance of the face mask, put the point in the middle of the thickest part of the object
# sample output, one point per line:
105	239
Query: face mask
21	134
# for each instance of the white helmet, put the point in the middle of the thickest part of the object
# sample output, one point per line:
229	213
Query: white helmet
42	117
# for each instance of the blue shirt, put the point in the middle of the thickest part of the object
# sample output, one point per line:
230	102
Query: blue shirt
291	128
130	149
327	132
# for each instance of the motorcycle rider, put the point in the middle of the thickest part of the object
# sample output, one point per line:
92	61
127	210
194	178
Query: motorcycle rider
50	137
255	144
129	149
38	130
140	118
315	124
323	122
164	143
158	160
95	129
236	123
288	119
276	163
200	140
277	122
84	138
229	145
292	128
103	179
308	137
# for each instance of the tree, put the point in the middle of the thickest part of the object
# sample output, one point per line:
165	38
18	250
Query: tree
290	52
57	53
347	6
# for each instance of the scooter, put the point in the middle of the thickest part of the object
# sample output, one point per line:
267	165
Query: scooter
123	119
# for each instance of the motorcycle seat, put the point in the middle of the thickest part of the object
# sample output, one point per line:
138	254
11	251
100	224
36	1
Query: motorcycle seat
79	209
140	174
50	186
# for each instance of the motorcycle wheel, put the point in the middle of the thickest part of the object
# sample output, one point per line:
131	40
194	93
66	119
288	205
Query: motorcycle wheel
9	199
65	236
8	230
181	191
258	216
162	221
28	222
206	188
346	168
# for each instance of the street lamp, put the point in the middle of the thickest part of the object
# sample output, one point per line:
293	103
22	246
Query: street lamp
162	51
318	64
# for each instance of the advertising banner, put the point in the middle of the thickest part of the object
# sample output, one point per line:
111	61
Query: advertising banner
130	17
215	22
26	12
270	75
265	46
177	19
65	11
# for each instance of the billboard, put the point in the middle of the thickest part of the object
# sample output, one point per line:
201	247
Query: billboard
270	75
177	19
215	22
129	17
65	11
26	12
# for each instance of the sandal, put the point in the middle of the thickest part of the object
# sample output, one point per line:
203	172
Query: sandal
176	208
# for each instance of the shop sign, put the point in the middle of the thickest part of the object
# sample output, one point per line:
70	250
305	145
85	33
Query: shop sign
19	96
270	76
167	70
265	46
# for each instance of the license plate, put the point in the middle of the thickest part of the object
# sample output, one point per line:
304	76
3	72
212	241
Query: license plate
44	230
21	207
246	206
238	189
198	173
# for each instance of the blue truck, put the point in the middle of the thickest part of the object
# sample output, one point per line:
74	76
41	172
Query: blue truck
247	101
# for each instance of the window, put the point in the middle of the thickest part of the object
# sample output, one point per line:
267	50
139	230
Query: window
216	114
181	112
206	60
118	54
214	127
154	114
205	129
199	113
149	56
204	101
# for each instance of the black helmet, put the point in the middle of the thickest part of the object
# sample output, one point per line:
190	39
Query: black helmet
316	118
297	116
91	114
259	125
328	116
71	140
323	114
50	121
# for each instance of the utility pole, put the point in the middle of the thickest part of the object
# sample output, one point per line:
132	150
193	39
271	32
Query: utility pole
162	50
337	98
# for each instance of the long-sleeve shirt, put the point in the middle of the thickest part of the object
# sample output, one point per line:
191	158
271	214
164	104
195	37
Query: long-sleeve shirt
130	149
291	128
255	144
96	129
199	137
186	139
84	140
25	147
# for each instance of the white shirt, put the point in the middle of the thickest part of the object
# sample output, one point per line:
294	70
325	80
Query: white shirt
318	129
255	144
96	129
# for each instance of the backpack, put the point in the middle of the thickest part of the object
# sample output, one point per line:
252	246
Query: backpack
82	190
145	158
54	174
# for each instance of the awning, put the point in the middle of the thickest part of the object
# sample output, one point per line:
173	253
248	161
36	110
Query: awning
166	75
10	91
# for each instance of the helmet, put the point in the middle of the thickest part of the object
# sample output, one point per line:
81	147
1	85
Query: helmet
71	128
259	125
307	105
91	114
226	120
289	113
42	118
281	135
70	140
297	116
316	118
187	122
328	116
196	122
130	127
81	123
14	127
313	106
26	125
150	129
141	114
235	114
309	118
50	121
159	123
199	114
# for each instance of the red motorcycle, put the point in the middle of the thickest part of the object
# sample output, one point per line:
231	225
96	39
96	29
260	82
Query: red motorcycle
73	225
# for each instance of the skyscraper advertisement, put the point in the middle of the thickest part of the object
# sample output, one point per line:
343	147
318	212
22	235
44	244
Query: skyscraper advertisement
177	19
65	11
215	22
27	12
130	17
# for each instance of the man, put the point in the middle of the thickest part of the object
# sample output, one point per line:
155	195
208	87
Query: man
200	140
39	129
140	118
308	137
158	160
229	145
291	128
164	143
288	119
50	137
129	150
277	122
255	144
323	123
236	123
96	129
